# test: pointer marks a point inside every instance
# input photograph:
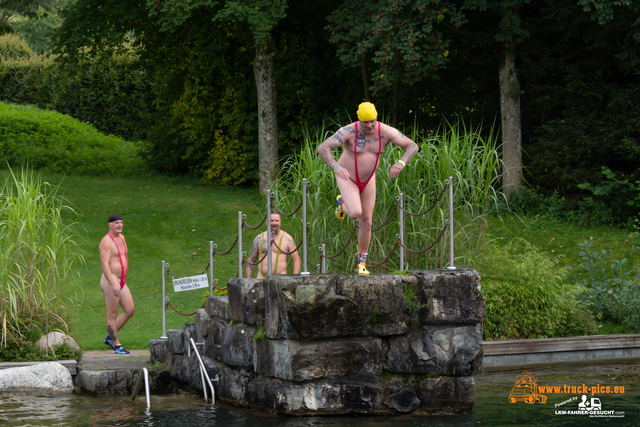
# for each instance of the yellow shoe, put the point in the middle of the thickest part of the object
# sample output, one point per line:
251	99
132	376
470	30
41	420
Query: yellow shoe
339	211
362	269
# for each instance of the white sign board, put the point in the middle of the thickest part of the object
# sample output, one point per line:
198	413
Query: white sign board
190	283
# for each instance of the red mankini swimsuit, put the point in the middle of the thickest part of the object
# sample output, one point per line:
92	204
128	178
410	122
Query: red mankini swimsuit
360	185
123	276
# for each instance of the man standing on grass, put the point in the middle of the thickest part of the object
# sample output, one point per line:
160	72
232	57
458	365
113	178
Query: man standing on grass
355	171
280	242
115	266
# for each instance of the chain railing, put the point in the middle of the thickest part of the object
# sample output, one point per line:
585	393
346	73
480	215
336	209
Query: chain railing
242	260
322	267
399	207
295	211
429	209
244	223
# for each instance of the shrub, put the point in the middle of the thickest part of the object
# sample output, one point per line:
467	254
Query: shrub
37	28
526	296
531	201
58	143
609	288
113	94
614	201
28	352
14	47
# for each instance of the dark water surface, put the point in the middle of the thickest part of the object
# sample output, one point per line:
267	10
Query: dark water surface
492	407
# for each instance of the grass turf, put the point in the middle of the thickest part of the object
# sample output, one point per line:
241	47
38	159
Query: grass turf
561	238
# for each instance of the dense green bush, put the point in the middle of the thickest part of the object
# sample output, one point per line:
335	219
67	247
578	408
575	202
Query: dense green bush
615	200
114	94
531	201
526	296
609	288
14	47
58	143
36	28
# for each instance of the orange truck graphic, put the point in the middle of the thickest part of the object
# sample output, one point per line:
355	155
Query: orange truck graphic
526	389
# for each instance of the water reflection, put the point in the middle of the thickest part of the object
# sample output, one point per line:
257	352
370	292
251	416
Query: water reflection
492	407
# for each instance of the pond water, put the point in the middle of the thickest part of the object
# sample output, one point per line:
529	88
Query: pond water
492	408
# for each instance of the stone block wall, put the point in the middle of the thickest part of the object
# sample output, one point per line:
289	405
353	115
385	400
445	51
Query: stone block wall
338	344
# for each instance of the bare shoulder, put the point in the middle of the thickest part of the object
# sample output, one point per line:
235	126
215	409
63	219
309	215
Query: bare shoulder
343	135
105	244
393	135
106	241
289	239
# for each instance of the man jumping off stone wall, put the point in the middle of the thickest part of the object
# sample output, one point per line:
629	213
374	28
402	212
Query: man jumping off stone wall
363	143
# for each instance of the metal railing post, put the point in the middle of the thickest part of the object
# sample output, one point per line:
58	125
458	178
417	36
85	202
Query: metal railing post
210	268
240	245
451	254
164	311
270	268
323	270
401	224
304	228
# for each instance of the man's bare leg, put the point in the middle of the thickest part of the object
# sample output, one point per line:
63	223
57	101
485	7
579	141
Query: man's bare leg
351	198
360	206
368	203
112	303
128	310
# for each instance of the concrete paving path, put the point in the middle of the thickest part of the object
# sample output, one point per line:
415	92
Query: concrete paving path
108	360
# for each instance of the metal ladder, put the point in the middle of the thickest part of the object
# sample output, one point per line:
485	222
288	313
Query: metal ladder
143	374
203	372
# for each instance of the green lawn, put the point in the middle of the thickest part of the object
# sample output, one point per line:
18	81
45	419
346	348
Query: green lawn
174	220
165	220
560	239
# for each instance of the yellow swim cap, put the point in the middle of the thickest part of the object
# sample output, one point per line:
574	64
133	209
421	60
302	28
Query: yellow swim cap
367	111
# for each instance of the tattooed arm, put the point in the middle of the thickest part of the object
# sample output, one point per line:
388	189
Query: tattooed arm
335	141
410	150
253	257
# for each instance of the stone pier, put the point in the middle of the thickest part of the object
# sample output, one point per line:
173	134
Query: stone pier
338	344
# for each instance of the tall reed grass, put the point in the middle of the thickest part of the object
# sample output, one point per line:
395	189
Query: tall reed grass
37	254
470	158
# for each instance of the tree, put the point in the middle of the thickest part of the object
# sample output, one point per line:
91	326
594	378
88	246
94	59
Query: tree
580	104
510	33
402	36
9	8
262	16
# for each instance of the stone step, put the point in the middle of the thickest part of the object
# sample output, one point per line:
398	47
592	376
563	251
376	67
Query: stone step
69	364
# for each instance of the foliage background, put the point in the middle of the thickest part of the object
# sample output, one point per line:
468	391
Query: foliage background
190	95
47	140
